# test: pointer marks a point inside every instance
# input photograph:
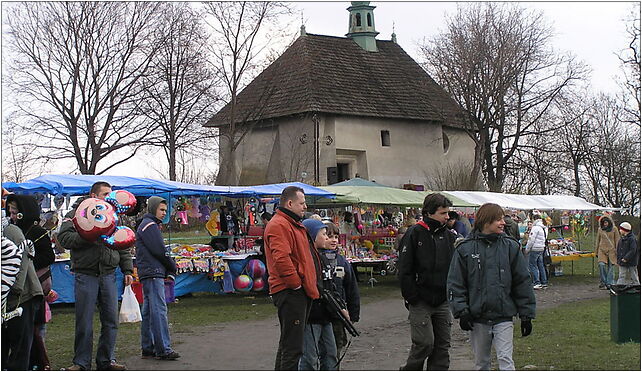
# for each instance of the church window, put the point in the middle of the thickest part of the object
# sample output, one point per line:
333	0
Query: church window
358	16
369	18
385	138
445	140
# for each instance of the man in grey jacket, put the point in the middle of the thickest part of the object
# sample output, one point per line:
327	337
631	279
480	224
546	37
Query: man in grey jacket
94	266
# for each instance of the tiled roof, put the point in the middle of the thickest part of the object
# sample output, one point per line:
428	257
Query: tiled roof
329	74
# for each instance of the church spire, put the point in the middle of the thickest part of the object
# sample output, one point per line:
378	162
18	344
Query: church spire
361	28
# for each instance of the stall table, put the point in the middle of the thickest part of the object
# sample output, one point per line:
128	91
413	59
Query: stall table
572	258
63	279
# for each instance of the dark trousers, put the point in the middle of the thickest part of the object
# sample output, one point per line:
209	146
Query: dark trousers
293	310
430	335
17	337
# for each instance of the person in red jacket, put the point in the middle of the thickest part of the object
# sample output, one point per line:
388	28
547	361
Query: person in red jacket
293	265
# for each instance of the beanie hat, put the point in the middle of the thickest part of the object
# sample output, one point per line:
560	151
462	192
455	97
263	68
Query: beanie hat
625	226
313	226
153	203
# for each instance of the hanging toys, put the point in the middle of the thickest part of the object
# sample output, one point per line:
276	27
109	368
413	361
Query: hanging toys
213	224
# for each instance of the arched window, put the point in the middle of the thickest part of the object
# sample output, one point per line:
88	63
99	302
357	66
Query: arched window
358	19
445	140
369	18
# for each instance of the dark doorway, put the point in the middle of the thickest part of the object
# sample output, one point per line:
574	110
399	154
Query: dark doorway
343	172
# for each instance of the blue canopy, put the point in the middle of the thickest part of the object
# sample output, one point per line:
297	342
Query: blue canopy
66	184
277	188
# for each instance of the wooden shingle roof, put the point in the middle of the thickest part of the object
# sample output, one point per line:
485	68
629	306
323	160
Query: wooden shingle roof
327	74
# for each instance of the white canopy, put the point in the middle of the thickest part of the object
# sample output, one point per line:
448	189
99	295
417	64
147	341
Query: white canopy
527	202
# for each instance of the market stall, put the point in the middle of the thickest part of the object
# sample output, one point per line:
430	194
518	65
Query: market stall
229	213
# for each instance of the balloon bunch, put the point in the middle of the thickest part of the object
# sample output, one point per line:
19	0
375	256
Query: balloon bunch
97	219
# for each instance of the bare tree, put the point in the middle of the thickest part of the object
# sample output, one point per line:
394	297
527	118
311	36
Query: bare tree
242	31
179	88
77	73
495	60
453	176
20	161
613	168
630	64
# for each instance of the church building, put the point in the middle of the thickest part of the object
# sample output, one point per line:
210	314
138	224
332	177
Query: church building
334	108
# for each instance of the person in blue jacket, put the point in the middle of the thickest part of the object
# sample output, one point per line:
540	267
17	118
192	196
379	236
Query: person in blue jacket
345	282
154	265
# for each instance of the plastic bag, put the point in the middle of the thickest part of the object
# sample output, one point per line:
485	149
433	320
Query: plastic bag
129	308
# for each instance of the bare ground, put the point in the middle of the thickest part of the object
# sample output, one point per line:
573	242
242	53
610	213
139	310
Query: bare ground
383	344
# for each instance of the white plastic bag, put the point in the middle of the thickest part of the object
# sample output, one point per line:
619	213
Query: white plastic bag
129	308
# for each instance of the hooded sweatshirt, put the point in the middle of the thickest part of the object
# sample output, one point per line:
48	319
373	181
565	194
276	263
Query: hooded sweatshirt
29	224
152	258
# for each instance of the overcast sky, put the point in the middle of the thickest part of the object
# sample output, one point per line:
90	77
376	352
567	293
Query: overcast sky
594	31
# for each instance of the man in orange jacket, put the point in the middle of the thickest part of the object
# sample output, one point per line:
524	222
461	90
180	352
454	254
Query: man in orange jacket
293	266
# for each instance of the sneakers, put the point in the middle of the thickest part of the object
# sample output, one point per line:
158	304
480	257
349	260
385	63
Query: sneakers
147	355
74	367
603	286
544	286
113	366
537	286
169	356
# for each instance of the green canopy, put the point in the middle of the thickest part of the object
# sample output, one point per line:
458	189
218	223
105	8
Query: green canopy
372	194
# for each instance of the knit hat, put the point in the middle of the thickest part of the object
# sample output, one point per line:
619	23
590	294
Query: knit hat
313	226
153	203
625	226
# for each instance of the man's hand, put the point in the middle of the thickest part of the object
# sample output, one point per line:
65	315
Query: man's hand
527	327
171	277
345	313
466	322
128	280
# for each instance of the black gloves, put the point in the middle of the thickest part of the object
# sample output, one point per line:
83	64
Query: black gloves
466	322
527	327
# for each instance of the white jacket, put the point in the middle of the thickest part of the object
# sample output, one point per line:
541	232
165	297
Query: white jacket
537	237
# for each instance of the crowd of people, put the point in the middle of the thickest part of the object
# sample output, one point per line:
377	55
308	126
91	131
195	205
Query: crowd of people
479	274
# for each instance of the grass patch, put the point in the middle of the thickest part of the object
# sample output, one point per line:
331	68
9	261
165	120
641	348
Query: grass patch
575	336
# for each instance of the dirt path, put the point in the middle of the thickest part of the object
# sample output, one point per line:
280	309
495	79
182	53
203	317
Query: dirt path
383	345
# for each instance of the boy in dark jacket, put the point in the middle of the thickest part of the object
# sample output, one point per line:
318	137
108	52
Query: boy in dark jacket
628	256
154	265
489	284
424	258
319	346
345	283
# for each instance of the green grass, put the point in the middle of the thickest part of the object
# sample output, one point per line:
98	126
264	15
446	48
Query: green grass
575	336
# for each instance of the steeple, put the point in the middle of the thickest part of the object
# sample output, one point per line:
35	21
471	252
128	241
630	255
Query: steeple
361	27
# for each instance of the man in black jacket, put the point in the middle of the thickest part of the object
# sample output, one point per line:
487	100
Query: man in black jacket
424	259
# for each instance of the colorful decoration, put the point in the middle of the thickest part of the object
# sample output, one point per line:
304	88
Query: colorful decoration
256	268
123	200
258	285
243	283
93	218
213	225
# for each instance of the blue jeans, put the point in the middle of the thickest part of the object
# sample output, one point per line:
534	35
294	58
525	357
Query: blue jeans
536	266
88	290
318	346
154	329
606	273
